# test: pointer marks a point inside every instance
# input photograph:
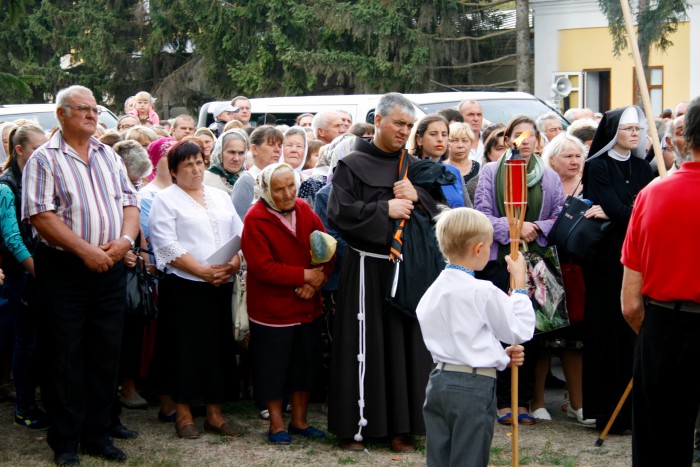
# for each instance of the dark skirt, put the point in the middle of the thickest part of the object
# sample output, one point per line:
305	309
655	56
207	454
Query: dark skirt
398	363
194	356
285	359
608	343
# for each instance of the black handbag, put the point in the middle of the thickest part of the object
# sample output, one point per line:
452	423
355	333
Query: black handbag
573	233
140	300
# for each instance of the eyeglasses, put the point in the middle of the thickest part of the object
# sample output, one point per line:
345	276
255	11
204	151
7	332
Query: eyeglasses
84	109
631	129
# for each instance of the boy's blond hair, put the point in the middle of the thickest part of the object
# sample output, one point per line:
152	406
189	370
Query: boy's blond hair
457	229
143	96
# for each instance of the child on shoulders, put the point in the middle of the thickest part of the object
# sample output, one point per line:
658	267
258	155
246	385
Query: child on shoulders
143	109
463	321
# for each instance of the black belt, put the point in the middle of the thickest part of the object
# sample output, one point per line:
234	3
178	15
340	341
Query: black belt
679	305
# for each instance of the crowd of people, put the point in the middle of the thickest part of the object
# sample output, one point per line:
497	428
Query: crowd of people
81	204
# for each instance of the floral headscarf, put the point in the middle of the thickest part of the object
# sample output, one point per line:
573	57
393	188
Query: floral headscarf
262	186
216	161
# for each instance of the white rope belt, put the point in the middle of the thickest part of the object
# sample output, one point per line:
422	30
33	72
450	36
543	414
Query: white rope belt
361	358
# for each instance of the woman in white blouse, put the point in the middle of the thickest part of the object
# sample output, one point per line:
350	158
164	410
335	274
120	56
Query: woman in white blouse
188	222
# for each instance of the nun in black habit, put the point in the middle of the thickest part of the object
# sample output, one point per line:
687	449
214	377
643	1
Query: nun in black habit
614	173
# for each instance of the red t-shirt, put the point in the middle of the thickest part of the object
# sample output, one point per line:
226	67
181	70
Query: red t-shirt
661	235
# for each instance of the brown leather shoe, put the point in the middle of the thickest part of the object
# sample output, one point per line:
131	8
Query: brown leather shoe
224	429
402	444
187	431
350	444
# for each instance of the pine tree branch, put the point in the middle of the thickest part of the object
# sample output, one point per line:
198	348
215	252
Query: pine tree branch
472	65
475	38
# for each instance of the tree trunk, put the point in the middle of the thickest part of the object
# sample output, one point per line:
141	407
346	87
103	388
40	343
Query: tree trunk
524	60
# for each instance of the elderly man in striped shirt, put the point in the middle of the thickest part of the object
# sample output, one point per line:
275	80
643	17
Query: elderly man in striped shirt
77	196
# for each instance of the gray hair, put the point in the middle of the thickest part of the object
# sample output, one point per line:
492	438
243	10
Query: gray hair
63	96
691	131
468	101
582	126
557	145
135	159
570	114
543	118
320	120
390	100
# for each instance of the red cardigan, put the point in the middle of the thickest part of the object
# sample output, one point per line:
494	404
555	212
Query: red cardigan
276	261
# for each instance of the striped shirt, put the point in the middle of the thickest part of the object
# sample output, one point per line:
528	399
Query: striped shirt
89	198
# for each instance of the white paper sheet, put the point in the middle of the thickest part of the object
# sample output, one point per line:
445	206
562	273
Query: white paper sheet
224	254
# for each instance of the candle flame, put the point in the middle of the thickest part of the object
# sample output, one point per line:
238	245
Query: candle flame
524	135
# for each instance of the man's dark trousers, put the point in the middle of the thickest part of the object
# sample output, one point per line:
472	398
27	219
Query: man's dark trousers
83	318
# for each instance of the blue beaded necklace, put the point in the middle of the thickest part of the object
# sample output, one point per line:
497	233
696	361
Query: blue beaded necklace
459	268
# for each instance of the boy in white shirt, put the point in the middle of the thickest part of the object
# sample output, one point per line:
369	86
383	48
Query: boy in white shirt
463	321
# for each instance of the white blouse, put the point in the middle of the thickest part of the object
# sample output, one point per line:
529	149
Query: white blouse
178	224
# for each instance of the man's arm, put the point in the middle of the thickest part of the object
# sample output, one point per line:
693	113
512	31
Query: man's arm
631	298
53	230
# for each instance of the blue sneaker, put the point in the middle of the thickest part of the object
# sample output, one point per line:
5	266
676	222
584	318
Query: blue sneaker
308	432
34	419
281	437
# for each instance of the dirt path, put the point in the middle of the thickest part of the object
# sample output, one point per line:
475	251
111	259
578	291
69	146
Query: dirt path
560	442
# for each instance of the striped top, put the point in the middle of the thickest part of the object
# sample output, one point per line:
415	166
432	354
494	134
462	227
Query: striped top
89	198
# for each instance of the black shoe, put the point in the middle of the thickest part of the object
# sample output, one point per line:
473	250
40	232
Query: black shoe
108	452
122	432
34	419
67	458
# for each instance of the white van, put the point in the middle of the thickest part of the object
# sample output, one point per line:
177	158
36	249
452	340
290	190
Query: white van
499	107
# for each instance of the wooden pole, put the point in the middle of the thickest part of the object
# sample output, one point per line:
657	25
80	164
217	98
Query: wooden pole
515	207
599	441
643	88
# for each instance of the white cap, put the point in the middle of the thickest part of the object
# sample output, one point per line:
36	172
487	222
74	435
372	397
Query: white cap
221	107
629	116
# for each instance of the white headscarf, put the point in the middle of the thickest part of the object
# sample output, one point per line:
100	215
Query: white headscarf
297	130
610	122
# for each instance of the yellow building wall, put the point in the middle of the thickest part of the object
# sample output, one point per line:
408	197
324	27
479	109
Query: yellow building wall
591	48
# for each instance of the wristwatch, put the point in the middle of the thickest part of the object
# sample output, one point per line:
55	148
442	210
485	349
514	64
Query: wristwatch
131	241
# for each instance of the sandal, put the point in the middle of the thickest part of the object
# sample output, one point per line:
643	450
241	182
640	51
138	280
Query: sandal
505	418
526	419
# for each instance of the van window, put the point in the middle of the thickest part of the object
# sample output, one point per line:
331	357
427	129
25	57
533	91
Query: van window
499	110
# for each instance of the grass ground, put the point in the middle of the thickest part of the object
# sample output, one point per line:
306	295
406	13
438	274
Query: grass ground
561	442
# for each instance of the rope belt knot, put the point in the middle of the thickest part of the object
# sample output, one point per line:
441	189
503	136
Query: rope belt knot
361	357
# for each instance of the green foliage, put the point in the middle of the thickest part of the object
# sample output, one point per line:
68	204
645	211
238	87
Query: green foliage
256	48
655	23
